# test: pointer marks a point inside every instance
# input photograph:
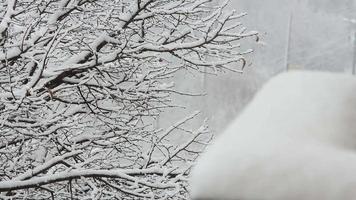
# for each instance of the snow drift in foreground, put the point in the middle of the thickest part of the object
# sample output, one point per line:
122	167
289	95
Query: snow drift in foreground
295	140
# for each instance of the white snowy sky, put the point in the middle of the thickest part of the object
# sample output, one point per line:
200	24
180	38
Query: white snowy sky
320	39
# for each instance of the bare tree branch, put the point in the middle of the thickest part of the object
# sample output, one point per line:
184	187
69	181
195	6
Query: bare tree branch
82	83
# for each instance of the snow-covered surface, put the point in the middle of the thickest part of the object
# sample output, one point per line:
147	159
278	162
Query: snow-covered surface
295	140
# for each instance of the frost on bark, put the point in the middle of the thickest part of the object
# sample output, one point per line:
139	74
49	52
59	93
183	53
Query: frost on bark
81	83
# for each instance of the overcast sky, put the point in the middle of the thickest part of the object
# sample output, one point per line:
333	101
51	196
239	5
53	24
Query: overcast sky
319	39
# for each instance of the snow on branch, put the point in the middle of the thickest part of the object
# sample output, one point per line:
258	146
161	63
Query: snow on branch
82	83
44	180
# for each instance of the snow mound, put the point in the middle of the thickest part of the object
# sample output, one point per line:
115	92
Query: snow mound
295	140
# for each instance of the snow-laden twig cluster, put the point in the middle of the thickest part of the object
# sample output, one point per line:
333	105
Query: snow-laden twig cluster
82	81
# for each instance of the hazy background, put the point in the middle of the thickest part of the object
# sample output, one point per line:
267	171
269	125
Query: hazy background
300	34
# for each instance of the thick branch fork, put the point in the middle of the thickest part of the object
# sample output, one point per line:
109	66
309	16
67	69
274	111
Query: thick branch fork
128	175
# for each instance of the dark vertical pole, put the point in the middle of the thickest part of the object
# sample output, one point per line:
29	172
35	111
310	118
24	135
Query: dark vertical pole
288	41
354	55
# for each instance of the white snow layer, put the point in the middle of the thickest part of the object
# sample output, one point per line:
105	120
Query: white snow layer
295	141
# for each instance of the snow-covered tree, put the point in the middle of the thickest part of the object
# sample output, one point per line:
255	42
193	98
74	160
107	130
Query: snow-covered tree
82	82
